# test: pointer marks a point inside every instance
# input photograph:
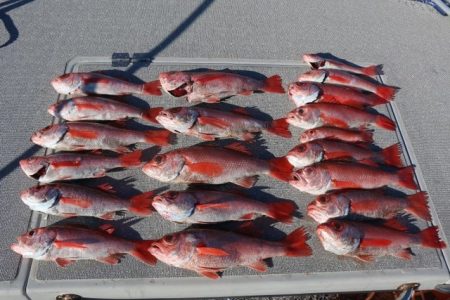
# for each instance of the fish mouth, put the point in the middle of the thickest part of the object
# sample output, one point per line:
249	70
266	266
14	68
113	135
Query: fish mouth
179	91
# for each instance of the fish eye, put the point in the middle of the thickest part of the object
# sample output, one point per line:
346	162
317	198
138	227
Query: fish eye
31	233
158	159
295	176
301	148
172	194
164	113
300	111
323	199
308	170
311	132
169	239
337	226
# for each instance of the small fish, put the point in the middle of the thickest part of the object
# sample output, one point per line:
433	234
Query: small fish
213	86
70	166
314	115
100	109
336	133
318	62
202	206
367	241
68	200
340	77
209	124
98	83
209	252
65	244
320	150
369	203
337	175
215	165
302	93
78	136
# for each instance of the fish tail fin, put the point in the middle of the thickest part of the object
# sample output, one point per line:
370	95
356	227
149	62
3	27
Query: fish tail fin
386	92
280	168
373	70
295	243
141	205
385	122
132	159
406	178
418	205
392	155
158	137
152	88
282	211
280	127
274	85
150	114
430	238
141	252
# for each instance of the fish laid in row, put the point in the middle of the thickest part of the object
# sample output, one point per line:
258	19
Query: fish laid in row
336	133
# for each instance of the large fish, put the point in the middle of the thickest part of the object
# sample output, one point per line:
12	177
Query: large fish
319	150
340	77
302	93
336	133
69	200
78	136
367	241
313	115
208	252
212	86
209	124
204	206
316	61
337	175
98	83
215	165
100	109
70	166
369	203
65	244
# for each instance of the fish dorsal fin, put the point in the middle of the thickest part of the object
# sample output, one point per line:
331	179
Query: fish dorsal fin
236	146
107	228
106	187
395	224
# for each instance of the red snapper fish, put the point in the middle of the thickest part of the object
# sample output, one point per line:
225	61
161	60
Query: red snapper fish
320	150
78	136
69	200
209	124
336	133
369	203
212	86
70	166
366	241
316	61
329	175
65	244
215	165
301	93
340	77
100	109
313	115
98	83
209	252
204	206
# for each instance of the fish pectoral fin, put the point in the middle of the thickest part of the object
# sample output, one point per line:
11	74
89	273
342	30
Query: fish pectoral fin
246	93
365	257
260	266
63	262
211	99
205	206
207	137
345	184
106	187
374	243
219	123
246	182
202	250
113	259
108	216
210	274
75	202
68	244
335	122
107	228
249	216
210	169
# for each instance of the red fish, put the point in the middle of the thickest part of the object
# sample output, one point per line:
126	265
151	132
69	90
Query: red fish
336	133
100	109
369	203
316	61
366	241
336	175
340	77
215	165
70	200
314	115
98	83
212	86
70	166
209	252
65	244
302	93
